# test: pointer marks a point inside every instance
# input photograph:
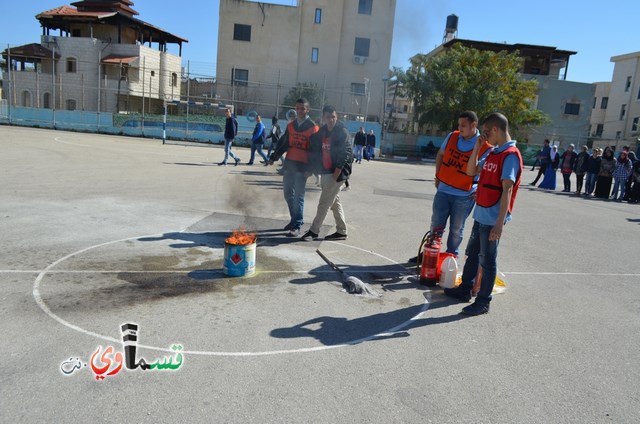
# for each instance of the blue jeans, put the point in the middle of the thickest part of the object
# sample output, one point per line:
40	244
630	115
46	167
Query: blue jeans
257	147
618	183
591	182
293	185
481	252
456	209
227	150
359	153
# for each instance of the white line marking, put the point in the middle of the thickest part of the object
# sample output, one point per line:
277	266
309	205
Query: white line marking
49	269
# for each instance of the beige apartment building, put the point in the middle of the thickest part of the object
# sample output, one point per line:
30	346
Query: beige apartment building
94	55
615	118
341	46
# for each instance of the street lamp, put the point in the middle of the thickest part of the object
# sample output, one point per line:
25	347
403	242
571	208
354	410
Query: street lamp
384	105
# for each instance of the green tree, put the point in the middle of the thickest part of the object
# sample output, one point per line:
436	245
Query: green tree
464	78
308	90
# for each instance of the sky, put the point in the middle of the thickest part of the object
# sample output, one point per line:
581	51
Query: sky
596	31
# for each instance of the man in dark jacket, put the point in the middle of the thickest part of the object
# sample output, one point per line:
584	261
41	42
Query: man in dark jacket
360	140
230	132
330	155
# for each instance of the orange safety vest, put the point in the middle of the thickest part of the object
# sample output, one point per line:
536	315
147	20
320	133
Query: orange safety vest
490	186
299	143
453	169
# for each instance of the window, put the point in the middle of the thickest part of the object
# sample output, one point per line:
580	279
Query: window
72	65
357	89
124	73
361	47
638	94
627	85
634	124
595	101
599	130
242	32
76	32
572	109
46	100
153	73
405	108
71	104
604	102
618	135
26	98
364	7
174	79
623	111
314	55
240	77
318	16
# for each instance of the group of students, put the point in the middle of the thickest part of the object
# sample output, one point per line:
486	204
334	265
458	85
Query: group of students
365	145
600	168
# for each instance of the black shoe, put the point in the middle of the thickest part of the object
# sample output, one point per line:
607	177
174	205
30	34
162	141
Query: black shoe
288	227
264	162
475	309
249	163
309	236
460	293
336	236
237	162
222	163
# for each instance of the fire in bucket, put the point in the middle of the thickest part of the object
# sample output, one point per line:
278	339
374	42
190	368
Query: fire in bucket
240	253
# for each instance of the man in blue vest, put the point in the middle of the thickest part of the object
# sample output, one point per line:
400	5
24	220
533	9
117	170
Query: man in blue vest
500	174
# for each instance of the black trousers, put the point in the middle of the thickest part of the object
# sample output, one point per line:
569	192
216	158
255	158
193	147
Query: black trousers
567	182
543	167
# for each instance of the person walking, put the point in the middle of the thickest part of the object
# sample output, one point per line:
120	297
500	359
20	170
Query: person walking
257	140
549	180
330	155
230	132
371	145
274	135
295	143
500	176
360	140
545	160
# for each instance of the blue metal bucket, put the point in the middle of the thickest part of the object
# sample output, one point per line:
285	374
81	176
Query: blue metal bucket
239	260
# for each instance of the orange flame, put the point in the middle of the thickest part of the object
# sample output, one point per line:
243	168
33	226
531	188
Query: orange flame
241	237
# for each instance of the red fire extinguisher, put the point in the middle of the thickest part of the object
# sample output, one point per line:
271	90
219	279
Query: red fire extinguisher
429	265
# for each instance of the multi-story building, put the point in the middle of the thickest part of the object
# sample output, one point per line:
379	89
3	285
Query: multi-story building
103	59
616	105
342	47
567	103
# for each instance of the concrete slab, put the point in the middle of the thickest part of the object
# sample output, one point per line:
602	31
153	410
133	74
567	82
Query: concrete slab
100	230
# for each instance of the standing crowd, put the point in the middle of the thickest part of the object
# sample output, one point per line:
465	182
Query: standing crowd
607	177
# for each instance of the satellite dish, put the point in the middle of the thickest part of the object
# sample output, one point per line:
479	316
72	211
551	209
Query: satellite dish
251	115
291	114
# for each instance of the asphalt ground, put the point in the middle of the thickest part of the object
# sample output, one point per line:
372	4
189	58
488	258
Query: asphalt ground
98	231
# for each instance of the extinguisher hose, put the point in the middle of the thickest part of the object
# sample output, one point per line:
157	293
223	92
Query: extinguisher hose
424	241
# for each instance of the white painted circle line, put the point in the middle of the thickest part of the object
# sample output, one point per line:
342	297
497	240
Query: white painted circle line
40	302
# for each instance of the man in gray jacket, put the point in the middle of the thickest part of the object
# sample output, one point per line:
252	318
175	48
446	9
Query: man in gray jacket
330	155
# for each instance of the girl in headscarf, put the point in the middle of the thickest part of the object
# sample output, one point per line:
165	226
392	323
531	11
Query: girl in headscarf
549	180
605	176
568	161
621	174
